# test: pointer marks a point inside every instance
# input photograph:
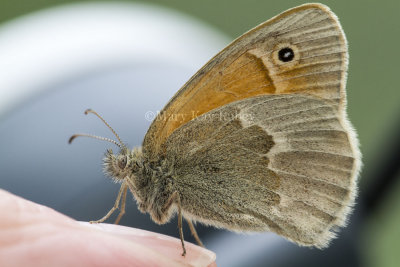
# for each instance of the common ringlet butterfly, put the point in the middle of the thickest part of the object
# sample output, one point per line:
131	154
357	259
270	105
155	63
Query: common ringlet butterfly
263	142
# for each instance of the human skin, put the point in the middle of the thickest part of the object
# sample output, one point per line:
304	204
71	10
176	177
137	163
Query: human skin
35	235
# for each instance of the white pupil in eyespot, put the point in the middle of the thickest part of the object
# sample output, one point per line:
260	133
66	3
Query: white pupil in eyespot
286	54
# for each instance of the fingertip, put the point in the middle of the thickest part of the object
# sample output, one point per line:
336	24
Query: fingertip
163	245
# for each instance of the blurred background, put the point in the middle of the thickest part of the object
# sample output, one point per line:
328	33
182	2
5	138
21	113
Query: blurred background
124	58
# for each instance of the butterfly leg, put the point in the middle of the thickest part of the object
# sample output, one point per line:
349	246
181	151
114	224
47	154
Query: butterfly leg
178	202
122	210
194	233
123	188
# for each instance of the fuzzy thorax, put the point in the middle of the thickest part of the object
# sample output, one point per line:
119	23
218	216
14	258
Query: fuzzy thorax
150	184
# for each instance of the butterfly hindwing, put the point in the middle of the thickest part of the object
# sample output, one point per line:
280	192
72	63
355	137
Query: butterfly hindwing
282	163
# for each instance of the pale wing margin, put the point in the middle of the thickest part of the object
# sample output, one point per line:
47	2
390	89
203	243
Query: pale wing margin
283	163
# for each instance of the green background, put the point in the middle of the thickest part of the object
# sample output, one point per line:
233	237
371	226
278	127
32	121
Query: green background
372	29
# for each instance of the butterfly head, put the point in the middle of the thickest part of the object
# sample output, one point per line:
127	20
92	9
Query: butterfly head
124	164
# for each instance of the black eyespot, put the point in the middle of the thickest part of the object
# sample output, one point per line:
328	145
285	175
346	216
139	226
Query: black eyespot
286	54
122	162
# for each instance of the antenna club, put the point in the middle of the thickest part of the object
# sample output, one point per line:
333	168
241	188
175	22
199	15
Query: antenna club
72	138
89	110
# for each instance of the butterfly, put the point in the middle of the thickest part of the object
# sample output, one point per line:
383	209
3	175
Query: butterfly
263	142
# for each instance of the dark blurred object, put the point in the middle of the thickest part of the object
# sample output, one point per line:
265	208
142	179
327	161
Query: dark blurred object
383	174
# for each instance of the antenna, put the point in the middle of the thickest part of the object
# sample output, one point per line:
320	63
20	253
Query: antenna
95	137
120	144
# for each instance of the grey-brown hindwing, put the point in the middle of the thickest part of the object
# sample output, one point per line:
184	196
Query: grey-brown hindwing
282	163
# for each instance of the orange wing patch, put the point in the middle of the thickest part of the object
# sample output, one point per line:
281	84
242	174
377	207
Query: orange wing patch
243	78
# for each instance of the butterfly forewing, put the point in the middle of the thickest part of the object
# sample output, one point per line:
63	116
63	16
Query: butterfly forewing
251	66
